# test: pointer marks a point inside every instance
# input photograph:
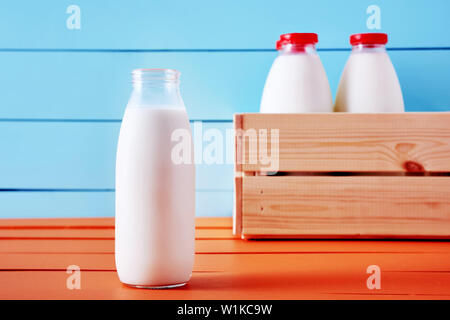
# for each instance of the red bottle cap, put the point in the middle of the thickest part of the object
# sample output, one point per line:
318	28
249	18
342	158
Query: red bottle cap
297	39
368	38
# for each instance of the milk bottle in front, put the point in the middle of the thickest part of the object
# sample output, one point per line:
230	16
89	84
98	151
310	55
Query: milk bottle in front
369	83
154	194
297	81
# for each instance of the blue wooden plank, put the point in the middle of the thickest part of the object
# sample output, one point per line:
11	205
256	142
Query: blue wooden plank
54	155
50	72
98	85
57	155
56	204
212	24
424	79
92	204
214	204
214	85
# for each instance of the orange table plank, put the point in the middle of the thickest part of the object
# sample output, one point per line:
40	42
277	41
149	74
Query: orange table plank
316	284
107	233
95	228
231	246
34	255
394	262
42	223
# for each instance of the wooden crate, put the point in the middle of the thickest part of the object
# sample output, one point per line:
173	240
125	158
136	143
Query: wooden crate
343	176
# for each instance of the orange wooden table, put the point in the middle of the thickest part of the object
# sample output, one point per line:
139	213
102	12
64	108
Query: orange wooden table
35	254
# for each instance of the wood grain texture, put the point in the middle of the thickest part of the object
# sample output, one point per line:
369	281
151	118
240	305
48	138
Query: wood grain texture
409	142
237	210
214	246
203	24
98	233
353	206
237	205
81	155
102	79
32	203
241	261
232	269
60	223
210	286
246	277
96	223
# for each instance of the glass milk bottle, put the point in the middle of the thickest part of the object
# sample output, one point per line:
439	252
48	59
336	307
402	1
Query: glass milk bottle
297	81
155	186
369	83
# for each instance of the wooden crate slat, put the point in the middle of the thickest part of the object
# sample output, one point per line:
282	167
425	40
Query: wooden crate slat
408	142
353	206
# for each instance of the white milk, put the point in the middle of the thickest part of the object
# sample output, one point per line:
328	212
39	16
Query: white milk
369	83
296	83
155	208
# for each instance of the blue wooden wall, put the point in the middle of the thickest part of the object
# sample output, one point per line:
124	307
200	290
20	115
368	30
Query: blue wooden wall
63	91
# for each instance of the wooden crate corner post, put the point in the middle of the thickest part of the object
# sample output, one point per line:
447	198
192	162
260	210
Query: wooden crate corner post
237	209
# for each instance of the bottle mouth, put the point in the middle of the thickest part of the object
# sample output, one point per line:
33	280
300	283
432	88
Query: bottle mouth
369	39
296	40
156	74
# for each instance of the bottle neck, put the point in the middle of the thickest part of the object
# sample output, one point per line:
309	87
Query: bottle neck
368	48
298	48
156	87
